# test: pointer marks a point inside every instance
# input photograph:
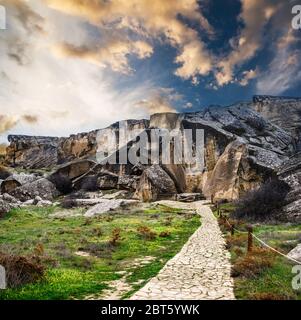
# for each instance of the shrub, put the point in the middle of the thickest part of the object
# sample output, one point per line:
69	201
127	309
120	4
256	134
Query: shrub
21	270
90	184
164	234
253	263
262	203
146	233
271	296
115	237
62	183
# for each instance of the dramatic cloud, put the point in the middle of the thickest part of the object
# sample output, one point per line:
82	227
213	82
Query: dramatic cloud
195	61
247	76
284	71
255	15
30	118
155	19
114	54
160	100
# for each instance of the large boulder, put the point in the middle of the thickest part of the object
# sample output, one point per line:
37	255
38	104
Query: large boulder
5	207
232	174
74	169
42	188
107	181
15	181
155	184
7	203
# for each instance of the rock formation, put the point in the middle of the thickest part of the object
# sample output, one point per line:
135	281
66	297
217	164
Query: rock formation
290	172
244	144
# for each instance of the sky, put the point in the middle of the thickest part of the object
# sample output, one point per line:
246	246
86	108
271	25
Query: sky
69	66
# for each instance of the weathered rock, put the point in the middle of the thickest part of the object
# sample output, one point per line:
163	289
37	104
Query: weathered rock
42	188
32	152
242	148
15	181
189	197
283	111
232	174
5	207
121	194
107	206
107	181
295	253
8	198
47	152
155	184
290	172
74	169
128	182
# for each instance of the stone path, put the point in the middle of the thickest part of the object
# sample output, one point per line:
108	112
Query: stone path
200	271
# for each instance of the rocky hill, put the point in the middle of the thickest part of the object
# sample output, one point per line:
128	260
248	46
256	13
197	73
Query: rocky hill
245	144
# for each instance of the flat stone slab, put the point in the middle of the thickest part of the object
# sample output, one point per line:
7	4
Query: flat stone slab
200	271
106	205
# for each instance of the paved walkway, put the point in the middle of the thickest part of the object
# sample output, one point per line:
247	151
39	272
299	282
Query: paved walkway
200	271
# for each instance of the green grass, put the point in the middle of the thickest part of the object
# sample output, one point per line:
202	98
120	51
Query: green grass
70	276
274	282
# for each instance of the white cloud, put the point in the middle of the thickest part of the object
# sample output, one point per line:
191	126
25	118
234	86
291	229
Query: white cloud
284	71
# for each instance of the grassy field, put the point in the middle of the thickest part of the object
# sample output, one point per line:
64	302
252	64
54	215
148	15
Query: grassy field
84	255
262	274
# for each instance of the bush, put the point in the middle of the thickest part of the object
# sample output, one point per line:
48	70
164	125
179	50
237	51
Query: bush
21	270
146	233
164	234
264	202
62	183
115	237
90	184
253	263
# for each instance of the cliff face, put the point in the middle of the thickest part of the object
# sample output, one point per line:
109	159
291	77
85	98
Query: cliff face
284	112
46	152
244	145
32	152
242	148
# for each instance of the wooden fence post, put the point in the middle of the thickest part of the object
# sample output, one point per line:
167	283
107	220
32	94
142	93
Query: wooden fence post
250	238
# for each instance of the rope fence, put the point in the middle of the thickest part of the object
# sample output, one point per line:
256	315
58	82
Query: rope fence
251	235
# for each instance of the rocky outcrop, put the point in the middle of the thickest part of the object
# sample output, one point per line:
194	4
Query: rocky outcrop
290	172
46	152
32	152
243	145
15	181
42	188
283	111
